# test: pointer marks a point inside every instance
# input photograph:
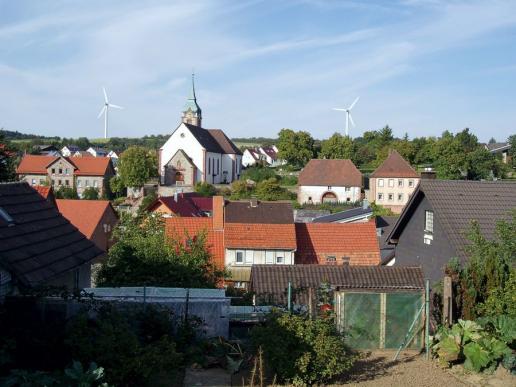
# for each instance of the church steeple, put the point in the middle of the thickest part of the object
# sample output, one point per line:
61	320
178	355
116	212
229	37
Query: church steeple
192	113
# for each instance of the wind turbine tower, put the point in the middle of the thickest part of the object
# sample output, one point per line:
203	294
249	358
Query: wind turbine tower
105	111
349	118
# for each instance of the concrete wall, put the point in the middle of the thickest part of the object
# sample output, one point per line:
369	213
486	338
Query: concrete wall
412	251
400	186
315	193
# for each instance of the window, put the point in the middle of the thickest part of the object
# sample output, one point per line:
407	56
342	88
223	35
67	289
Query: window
269	257
239	257
41	181
391	183
218	170
280	259
411	183
59	182
391	197
429	221
249	256
400	183
53	171
380	196
67	182
427	239
95	183
53	182
400	197
348	189
87	183
380	182
33	181
331	259
345	260
60	171
79	183
67	171
209	166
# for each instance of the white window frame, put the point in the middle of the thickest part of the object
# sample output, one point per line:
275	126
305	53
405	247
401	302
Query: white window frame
269	257
380	182
400	183
391	183
429	221
243	257
400	197
280	259
249	257
411	183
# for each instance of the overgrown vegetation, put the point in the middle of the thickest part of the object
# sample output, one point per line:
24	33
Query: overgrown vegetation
301	350
205	189
332	207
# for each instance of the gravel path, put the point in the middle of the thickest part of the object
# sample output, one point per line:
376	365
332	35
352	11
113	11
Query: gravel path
411	369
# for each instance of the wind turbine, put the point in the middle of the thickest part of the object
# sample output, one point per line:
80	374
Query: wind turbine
348	114
105	111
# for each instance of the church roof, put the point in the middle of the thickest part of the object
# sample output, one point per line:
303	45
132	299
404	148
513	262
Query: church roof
191	103
224	142
213	140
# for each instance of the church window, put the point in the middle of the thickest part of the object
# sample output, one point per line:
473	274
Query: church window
178	164
218	167
209	166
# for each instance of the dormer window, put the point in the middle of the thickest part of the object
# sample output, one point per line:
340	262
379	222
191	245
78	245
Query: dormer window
429	221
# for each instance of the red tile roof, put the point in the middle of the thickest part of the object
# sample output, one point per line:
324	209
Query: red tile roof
187	204
260	236
394	166
37	164
83	214
314	239
43	190
340	173
177	227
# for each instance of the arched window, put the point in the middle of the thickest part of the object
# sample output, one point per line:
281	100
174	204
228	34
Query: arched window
179	176
329	197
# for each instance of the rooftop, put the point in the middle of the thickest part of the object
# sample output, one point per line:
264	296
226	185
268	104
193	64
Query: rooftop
395	166
337	172
278	212
83	214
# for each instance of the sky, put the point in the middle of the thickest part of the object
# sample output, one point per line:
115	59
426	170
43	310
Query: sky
419	66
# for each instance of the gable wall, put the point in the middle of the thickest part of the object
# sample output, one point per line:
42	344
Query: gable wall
305	192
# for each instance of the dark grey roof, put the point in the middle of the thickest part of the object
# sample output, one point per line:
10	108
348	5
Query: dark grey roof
386	224
39	243
343	215
307	216
498	146
205	138
457	203
265	212
271	281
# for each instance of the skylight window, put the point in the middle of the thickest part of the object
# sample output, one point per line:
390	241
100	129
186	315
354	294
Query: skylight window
5	216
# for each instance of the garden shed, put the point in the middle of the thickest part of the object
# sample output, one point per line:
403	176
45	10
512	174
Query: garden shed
376	306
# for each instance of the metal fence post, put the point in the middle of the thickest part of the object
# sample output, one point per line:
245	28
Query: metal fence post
289	304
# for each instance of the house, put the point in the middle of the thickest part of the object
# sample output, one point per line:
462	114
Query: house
46	150
354	215
433	227
69	150
193	154
96	219
78	172
97	152
270	282
329	181
81	153
337	244
267	155
393	182
252	156
189	204
112	155
502	148
384	225
38	246
271	155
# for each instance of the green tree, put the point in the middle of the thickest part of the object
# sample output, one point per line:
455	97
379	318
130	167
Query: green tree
205	189
116	185
7	160
144	255
512	151
240	190
66	193
297	148
337	147
136	166
90	193
270	189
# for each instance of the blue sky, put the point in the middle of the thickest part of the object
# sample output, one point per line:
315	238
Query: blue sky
419	66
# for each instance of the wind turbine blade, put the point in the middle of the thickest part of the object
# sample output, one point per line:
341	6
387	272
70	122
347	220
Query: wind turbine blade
354	102
105	94
115	106
101	111
339	109
351	119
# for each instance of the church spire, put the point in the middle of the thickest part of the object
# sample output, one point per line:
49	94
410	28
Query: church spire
192	113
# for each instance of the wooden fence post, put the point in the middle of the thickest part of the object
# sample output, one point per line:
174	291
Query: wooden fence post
447	301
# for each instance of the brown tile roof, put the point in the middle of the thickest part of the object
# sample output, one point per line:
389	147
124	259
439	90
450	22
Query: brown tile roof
225	143
260	236
271	281
39	244
457	203
394	166
336	172
204	137
177	227
265	212
93	166
342	238
84	214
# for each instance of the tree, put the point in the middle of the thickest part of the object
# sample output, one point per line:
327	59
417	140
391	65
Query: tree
270	189
492	140
205	189
240	190
337	147
512	151
66	193
7	160
116	185
90	193
136	166
144	255
297	148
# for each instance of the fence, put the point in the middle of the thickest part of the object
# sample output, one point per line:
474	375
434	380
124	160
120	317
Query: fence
374	320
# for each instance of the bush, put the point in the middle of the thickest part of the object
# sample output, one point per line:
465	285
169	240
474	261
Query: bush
132	346
66	193
241	190
288	180
90	193
146	202
271	190
205	189
258	173
303	351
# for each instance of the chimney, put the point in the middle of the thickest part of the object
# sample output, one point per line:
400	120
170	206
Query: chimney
254	202
428	173
218	212
175	196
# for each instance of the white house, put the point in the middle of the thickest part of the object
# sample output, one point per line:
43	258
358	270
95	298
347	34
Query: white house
112	155
193	154
251	156
69	150
323	181
97	152
268	155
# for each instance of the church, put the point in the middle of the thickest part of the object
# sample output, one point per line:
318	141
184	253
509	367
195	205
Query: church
194	154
